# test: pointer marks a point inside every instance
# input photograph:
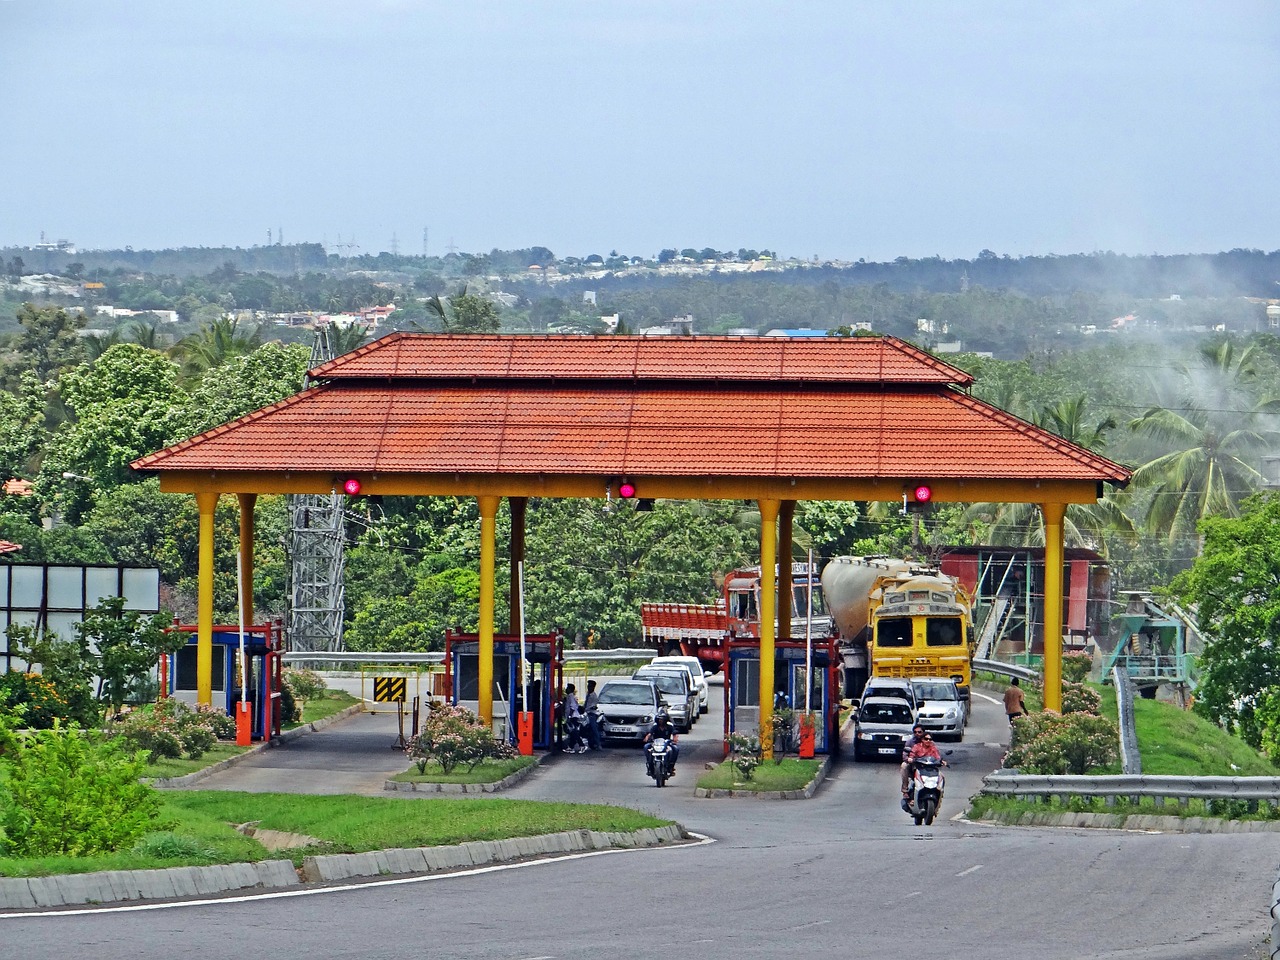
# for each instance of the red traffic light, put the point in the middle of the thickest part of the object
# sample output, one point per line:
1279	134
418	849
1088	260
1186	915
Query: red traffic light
351	486
923	494
626	490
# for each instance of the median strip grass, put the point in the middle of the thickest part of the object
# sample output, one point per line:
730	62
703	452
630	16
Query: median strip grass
790	774
487	771
200	827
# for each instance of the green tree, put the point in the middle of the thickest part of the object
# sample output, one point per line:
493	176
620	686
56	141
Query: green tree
48	343
241	385
128	646
216	343
465	313
1233	587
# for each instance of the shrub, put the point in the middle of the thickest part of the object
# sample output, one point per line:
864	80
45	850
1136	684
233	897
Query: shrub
172	729
745	754
454	735
72	792
217	720
1076	743
1080	698
1076	667
304	684
34	698
290	712
166	845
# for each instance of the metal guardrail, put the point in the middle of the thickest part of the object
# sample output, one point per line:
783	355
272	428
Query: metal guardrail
1006	669
1130	757
1159	788
407	657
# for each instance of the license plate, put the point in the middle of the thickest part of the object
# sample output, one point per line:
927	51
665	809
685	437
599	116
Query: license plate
889	750
617	728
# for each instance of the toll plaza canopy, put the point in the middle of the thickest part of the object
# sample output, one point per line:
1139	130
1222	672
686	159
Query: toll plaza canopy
775	420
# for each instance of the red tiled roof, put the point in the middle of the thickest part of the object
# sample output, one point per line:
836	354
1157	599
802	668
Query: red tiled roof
7	547
657	429
18	488
569	357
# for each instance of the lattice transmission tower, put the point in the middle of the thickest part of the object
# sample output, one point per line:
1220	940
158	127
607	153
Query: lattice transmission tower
317	540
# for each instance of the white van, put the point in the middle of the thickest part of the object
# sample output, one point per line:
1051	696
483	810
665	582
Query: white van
694	666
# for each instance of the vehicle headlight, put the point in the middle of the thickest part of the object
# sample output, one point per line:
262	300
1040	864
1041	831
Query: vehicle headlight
951	713
646	720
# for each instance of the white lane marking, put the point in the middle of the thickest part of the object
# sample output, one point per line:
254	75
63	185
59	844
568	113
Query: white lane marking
975	693
972	869
399	881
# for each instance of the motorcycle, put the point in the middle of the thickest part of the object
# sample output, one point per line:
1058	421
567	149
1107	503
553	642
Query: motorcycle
659	759
926	788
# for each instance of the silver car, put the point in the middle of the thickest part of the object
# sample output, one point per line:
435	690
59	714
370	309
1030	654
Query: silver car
677	692
939	707
627	709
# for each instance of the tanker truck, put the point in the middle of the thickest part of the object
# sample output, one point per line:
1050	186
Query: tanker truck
897	618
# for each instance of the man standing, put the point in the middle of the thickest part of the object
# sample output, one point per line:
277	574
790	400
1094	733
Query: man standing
591	707
1014	703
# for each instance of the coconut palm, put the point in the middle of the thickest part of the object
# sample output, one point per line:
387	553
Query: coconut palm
216	343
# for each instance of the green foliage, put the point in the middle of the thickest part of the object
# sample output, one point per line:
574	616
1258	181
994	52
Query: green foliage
167	845
1234	589
128	643
451	736
745	754
1076	667
1047	743
33	699
303	683
73	792
1080	698
68	665
241	385
171	729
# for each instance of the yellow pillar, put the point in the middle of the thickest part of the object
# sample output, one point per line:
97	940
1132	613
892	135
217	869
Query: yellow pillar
517	505
247	502
488	536
768	613
786	515
206	503
1053	514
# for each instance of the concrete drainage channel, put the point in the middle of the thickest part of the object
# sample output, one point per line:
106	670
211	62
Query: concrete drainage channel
114	886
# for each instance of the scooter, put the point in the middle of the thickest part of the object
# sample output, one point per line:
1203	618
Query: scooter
659	759
926	788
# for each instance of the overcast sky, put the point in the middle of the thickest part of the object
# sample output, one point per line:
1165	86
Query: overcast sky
844	129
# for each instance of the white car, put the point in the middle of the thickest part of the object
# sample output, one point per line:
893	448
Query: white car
939	707
696	673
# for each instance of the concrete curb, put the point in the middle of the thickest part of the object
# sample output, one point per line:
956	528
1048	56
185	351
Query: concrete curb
115	886
1132	821
187	780
808	790
110	886
510	780
330	868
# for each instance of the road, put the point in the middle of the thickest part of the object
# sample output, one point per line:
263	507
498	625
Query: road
845	874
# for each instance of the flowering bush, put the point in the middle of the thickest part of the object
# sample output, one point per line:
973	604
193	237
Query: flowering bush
1076	667
304	684
745	754
33	698
172	729
454	735
1080	698
782	731
1049	743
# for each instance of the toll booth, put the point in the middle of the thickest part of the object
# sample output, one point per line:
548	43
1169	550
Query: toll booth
544	657
742	686
263	646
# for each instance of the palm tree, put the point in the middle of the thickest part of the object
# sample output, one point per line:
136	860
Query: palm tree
336	341
145	334
1213	442
216	343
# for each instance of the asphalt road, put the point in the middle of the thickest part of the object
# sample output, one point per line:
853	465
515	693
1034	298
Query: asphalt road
845	874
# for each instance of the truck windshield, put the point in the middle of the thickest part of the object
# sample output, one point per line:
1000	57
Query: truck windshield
943	632
894	632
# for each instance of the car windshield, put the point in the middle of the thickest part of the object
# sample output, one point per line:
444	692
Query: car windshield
630	693
669	684
897	693
935	691
885	713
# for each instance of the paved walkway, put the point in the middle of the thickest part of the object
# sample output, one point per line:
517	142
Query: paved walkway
355	755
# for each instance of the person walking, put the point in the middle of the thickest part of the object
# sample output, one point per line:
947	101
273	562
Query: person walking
1015	704
591	707
573	720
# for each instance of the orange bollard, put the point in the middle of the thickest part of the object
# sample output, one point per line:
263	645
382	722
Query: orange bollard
807	733
244	723
524	733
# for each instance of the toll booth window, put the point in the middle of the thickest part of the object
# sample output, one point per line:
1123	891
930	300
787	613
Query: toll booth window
469	676
944	632
186	668
894	632
746	683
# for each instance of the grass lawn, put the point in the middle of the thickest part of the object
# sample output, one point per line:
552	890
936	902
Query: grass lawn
791	774
489	771
333	701
202	826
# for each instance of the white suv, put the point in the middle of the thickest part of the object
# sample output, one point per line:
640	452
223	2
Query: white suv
694	666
